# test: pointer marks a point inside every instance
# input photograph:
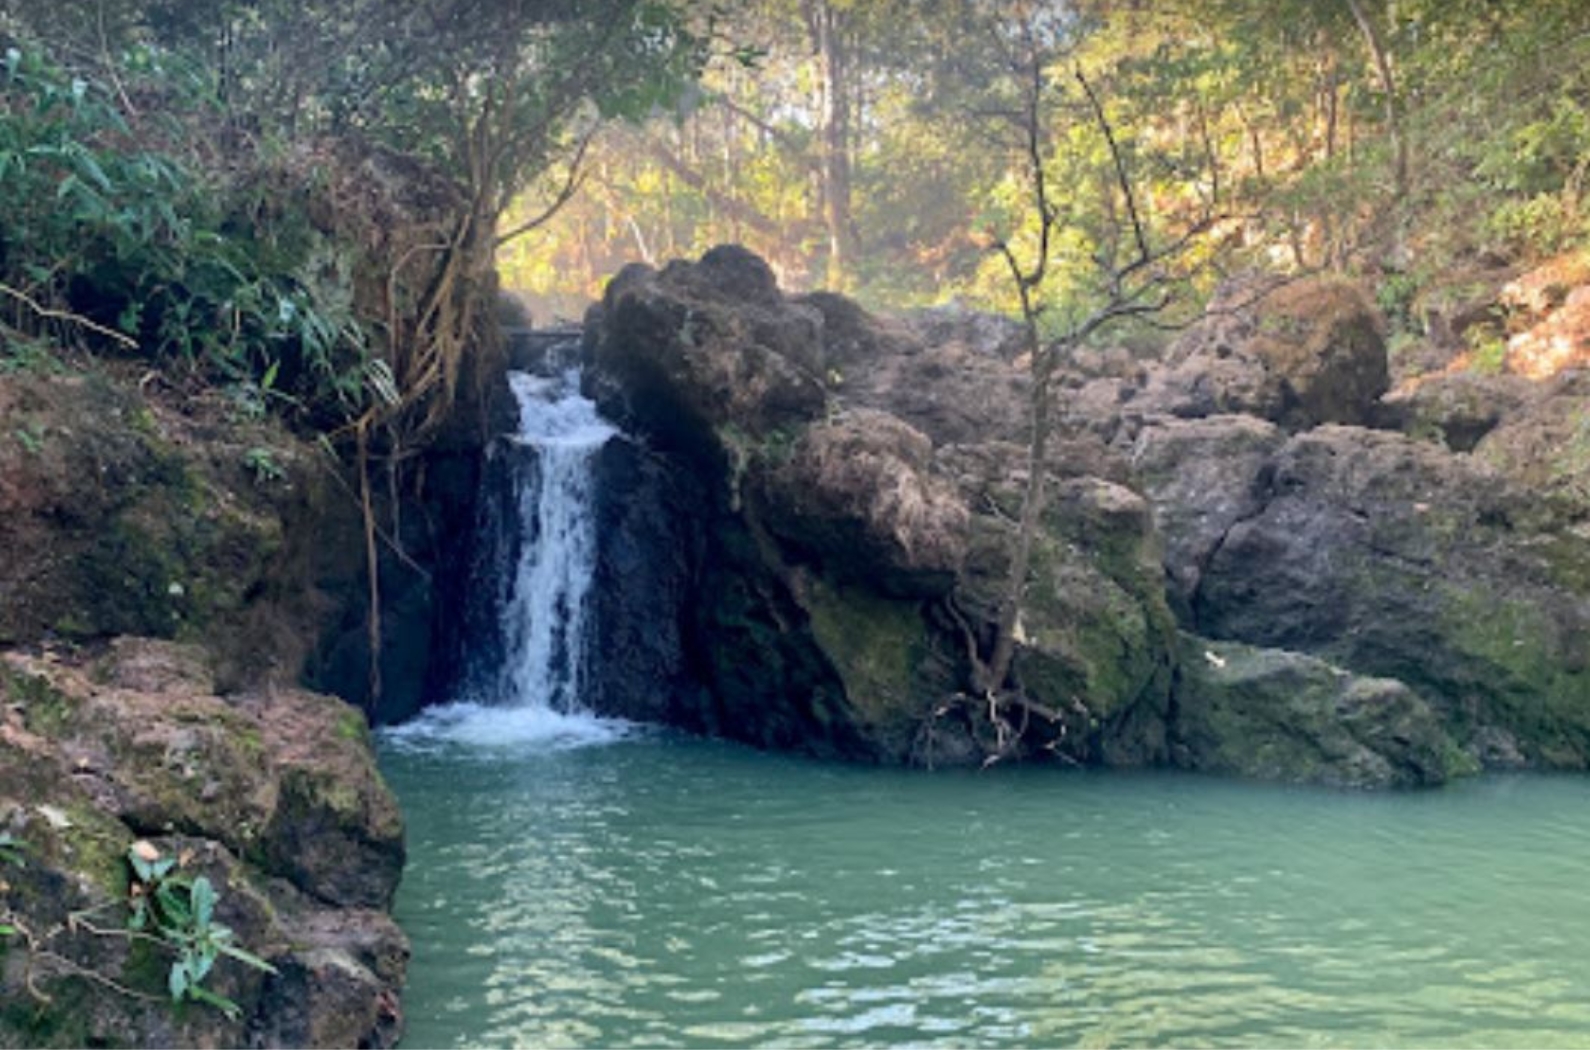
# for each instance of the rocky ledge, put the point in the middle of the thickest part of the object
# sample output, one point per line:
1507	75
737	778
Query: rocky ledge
1254	562
272	796
173	564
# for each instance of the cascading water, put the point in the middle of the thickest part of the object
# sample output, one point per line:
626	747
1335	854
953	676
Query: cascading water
525	688
544	599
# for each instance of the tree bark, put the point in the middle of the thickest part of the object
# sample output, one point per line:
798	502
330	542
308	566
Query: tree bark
1382	60
826	26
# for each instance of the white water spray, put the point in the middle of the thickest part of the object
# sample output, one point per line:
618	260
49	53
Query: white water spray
534	697
545	598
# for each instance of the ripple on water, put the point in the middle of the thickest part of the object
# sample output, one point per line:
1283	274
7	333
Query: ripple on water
665	892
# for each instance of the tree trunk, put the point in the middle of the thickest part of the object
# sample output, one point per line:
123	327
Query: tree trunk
827	28
1377	52
997	671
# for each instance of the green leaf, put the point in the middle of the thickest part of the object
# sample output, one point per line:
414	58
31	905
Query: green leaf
203	898
140	867
220	1002
177	980
200	965
248	958
173	909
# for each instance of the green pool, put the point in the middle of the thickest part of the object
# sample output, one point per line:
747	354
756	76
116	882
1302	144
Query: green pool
584	885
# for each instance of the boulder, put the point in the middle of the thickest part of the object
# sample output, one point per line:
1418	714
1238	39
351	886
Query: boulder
1277	715
1202	476
1545	444
1095	640
858	493
1300	354
950	374
1394	557
697	352
273	796
1456	409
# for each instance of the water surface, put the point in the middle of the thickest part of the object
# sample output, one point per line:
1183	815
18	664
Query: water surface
578	884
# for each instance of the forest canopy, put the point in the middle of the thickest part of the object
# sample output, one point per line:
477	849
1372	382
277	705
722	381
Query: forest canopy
863	144
313	201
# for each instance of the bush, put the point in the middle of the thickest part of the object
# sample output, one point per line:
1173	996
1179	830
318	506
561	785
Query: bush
158	254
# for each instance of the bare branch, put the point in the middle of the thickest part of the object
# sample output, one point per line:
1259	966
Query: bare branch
571	186
1122	179
47	314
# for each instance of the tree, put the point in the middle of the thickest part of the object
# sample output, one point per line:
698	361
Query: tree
1134	275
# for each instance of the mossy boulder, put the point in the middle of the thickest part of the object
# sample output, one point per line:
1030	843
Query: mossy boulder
1096	638
268	795
1277	715
1394	557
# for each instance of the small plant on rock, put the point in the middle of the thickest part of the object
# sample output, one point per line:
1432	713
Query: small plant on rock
180	912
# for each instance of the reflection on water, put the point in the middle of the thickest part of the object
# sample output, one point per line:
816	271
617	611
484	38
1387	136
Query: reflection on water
655	891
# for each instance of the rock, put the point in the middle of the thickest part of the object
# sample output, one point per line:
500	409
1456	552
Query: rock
1545	445
1202	476
683	353
983	334
1396	558
650	546
949	374
858	493
1300	354
130	509
1278	715
1457	409
273	796
1095	637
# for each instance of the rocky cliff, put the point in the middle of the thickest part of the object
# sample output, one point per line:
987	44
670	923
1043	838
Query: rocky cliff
1254	562
171	565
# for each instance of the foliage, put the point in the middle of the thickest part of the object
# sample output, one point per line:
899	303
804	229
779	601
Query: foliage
131	247
1273	111
10	853
180	910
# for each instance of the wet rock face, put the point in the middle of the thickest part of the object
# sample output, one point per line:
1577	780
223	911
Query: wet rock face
650	526
273	796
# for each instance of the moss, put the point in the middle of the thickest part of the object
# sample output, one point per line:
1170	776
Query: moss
1090	638
877	645
1516	658
45	709
351	726
97	846
64	1021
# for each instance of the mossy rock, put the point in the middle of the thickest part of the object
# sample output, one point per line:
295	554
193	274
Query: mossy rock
892	671
1278	715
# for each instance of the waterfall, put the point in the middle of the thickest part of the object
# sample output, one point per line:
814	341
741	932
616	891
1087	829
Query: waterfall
524	687
544	598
